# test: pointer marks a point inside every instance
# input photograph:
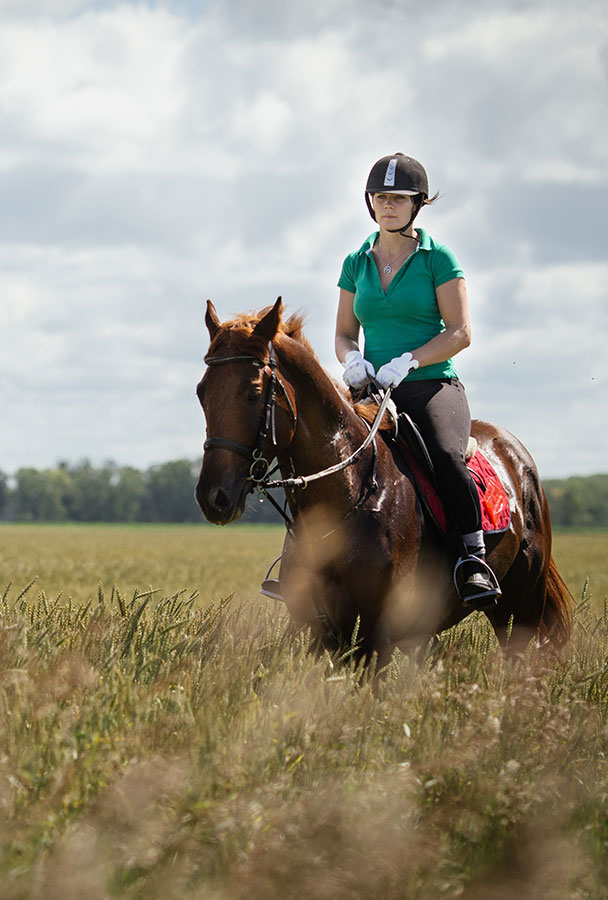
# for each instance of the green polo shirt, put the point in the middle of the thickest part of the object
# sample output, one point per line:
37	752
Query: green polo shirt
407	315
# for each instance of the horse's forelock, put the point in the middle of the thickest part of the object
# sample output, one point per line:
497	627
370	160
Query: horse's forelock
236	336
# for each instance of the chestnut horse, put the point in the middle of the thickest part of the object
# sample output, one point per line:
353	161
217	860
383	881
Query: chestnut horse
359	555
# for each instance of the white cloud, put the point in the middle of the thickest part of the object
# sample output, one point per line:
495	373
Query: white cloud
28	9
530	91
100	91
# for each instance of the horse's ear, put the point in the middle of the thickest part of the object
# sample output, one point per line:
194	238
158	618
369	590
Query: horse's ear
212	320
268	326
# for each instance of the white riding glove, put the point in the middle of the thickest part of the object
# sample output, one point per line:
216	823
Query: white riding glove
357	371
392	373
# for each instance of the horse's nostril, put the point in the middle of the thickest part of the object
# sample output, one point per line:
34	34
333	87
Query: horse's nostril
219	500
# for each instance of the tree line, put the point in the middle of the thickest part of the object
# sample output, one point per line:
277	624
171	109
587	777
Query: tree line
83	492
578	501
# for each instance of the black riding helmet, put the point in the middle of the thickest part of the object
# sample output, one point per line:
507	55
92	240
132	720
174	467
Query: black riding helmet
398	174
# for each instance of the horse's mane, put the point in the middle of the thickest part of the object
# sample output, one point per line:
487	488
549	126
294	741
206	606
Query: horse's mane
368	409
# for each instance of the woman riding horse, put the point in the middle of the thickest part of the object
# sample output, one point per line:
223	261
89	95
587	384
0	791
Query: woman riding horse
408	294
360	554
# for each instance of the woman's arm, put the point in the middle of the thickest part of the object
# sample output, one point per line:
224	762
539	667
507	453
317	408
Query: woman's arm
347	325
454	308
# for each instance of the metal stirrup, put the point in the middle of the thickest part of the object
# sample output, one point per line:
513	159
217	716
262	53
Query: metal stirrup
495	592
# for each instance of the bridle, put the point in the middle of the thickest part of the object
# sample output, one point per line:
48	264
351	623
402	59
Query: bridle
259	465
260	472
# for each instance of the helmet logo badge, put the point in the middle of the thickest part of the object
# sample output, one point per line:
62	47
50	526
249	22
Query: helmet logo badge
389	178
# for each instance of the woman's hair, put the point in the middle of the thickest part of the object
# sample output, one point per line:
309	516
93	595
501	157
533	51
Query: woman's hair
428	200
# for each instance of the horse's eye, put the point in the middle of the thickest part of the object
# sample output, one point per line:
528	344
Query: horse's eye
253	394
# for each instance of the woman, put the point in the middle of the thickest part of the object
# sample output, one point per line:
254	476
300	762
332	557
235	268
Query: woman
408	294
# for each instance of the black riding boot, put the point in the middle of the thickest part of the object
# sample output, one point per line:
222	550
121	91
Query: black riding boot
475	581
480	588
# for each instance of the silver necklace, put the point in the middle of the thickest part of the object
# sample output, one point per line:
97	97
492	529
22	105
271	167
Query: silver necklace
388	266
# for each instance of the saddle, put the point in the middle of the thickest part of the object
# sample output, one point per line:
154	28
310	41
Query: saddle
412	458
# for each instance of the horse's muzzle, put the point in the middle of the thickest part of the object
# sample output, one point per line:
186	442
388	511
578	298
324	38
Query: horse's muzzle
221	504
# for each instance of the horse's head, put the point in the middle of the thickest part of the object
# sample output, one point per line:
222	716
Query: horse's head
240	400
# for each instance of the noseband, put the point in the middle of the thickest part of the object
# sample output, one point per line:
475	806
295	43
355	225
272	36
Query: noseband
259	465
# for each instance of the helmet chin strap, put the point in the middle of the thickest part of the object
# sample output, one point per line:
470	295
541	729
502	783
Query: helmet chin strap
403	231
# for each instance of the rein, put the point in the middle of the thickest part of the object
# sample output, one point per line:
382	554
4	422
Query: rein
260	472
304	480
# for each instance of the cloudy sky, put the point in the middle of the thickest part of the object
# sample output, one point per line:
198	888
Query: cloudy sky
153	154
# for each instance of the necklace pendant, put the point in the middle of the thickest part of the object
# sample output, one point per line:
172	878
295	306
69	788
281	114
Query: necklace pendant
387	270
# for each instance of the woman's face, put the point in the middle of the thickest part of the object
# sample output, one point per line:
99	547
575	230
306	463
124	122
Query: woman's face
393	211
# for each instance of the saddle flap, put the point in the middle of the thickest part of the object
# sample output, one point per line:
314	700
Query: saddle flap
494	502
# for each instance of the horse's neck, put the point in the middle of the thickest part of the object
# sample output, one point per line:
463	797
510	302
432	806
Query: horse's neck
328	430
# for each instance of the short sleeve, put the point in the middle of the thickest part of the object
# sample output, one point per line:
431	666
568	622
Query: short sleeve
444	265
347	280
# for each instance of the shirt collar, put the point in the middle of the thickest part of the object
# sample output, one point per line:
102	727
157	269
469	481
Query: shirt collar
425	241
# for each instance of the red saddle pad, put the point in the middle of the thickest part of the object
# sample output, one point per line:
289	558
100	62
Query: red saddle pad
495	509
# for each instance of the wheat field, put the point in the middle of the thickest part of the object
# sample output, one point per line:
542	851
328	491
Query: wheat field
163	736
73	559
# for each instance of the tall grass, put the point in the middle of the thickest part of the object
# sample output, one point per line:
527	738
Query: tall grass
153	746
